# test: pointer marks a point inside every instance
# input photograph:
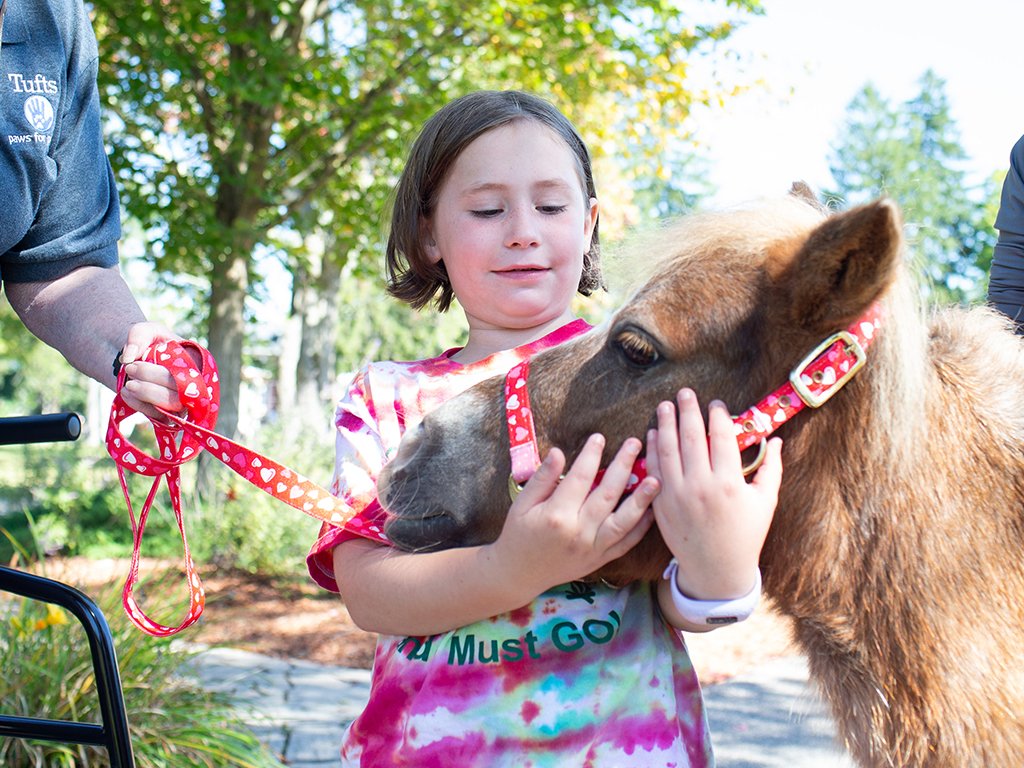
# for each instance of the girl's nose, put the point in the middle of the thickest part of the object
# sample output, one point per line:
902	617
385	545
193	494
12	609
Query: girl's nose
522	229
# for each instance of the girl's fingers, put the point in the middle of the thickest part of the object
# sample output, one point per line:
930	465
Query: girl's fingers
544	480
722	445
768	477
693	436
617	473
653	462
667	461
621	539
580	478
618	531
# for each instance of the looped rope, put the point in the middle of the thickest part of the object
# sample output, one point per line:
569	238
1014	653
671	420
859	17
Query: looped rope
183	440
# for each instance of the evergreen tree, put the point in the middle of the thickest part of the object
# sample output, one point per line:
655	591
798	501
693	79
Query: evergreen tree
912	153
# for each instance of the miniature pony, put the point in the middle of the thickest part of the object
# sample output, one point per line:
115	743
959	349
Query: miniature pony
897	547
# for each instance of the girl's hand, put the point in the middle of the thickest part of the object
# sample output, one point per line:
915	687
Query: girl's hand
714	522
560	531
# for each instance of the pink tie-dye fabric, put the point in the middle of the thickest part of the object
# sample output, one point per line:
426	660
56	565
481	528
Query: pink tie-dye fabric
586	675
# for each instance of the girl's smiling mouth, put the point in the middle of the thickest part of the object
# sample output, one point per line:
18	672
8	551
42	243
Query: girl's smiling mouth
525	270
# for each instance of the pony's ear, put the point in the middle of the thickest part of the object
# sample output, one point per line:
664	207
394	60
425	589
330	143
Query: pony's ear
803	191
845	264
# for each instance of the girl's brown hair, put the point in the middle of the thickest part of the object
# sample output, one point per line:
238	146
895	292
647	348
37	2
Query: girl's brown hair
411	275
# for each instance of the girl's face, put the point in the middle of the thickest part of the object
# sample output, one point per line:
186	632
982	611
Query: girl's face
512	224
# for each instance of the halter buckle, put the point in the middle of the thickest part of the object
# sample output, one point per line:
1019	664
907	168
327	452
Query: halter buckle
758	460
852	347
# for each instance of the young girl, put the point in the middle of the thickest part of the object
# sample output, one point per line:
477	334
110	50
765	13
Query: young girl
499	655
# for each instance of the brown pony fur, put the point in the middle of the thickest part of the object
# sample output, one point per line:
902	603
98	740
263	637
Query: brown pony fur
898	543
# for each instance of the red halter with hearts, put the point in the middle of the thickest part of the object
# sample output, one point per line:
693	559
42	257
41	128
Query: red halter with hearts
822	373
182	440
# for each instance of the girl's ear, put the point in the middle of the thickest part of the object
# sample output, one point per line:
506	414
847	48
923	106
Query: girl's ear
590	221
429	244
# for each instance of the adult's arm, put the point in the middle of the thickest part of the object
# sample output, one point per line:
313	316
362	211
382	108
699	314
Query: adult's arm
1006	281
89	316
84	315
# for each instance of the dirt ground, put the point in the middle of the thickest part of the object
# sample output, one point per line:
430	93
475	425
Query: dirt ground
299	620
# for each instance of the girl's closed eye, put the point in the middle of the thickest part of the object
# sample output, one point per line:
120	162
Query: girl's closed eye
486	213
552	209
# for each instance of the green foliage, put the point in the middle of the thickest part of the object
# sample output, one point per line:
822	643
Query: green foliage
373	328
70	490
912	153
173	722
239	118
34	378
237	124
251	531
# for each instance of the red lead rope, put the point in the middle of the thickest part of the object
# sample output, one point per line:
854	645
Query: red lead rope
182	441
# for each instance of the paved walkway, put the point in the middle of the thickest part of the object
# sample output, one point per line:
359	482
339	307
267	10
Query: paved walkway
768	718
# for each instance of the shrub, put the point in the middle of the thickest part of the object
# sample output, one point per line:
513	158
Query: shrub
174	723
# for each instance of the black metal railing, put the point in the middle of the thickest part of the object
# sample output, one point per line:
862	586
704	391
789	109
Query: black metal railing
112	732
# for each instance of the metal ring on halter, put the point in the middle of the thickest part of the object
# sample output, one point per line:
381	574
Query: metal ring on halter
762	449
514	488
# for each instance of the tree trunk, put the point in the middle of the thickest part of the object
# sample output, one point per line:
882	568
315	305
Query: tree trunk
229	283
317	363
308	357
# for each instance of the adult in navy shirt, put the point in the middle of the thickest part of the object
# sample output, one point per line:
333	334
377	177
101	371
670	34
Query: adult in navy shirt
1006	281
59	214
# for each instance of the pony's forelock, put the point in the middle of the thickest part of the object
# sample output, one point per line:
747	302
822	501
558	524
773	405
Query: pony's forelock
751	227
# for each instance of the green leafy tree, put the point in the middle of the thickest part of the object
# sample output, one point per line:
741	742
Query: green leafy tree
912	153
34	378
236	123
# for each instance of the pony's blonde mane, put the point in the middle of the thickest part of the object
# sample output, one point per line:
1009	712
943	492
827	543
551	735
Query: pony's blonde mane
900	372
750	227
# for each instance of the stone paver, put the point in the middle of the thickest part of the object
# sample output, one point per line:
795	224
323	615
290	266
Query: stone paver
298	708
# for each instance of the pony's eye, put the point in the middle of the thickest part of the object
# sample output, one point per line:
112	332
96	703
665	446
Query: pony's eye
637	348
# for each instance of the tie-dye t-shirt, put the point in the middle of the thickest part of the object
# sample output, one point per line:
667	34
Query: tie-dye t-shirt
585	675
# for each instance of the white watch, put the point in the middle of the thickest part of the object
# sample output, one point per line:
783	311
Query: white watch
712	612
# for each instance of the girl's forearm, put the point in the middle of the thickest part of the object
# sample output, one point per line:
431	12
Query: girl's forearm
398	593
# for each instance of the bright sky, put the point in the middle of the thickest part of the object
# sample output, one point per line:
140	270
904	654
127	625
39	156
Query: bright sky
817	54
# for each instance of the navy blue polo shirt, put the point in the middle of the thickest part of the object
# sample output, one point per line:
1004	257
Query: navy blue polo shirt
58	202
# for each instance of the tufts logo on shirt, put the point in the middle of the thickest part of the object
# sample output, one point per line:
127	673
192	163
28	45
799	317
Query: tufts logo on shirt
39	113
40	83
40	116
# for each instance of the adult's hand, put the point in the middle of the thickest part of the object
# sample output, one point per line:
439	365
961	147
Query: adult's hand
149	386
